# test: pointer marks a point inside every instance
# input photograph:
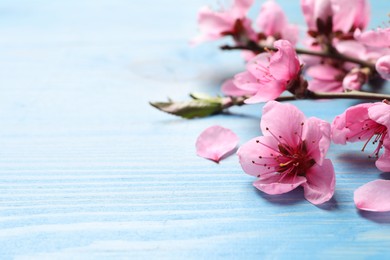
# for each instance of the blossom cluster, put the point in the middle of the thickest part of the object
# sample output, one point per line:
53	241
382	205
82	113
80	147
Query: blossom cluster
340	56
335	27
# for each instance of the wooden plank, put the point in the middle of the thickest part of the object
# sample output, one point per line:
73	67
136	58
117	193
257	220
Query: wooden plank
89	170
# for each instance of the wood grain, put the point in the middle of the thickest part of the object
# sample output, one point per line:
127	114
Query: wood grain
89	170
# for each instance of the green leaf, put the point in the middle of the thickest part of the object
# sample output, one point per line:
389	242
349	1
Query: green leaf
203	96
189	109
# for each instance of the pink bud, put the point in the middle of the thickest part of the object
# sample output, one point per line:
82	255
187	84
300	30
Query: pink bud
354	80
383	67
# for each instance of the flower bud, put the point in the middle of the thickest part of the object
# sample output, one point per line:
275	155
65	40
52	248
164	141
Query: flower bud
383	67
354	80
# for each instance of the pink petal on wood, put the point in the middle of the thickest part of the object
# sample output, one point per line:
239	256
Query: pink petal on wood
373	196
215	142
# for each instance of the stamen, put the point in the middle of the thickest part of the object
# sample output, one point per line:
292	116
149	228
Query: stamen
271	148
277	138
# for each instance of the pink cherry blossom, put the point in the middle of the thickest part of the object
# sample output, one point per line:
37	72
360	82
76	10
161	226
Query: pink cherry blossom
346	15
273	23
366	122
233	21
269	74
373	196
216	142
290	153
383	67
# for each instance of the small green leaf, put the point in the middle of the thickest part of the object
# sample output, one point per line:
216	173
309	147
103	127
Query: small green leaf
189	109
208	98
198	95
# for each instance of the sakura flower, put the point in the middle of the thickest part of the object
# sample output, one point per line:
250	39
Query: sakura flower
326	16
383	67
366	122
216	142
273	24
373	196
233	21
290	153
269	74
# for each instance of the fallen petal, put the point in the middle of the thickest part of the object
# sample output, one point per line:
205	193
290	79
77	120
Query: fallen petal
215	142
373	196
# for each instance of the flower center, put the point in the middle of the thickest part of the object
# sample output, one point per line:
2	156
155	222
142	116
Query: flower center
285	159
372	131
294	161
379	133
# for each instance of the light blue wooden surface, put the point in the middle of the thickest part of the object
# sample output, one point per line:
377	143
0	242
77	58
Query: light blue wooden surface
89	170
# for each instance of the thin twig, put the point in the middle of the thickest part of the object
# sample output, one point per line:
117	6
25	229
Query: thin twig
251	46
239	101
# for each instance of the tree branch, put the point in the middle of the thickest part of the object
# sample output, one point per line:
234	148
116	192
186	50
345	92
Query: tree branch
252	46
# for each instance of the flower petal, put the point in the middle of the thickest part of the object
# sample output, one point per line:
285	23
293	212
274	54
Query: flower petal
316	134
380	113
339	131
215	142
383	163
345	13
291	33
284	64
230	89
320	184
250	152
213	23
271	19
240	7
373	196
324	72
274	185
267	91
378	38
325	85
282	121
351	48
246	81
348	126
258	66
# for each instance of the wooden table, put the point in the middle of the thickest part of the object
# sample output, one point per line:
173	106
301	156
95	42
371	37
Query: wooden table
89	170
